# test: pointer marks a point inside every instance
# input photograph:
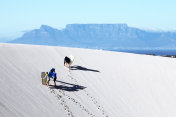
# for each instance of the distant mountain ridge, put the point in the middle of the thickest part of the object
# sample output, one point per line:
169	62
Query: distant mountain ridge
101	36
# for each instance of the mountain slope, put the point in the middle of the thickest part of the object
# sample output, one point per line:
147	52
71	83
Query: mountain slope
102	36
100	83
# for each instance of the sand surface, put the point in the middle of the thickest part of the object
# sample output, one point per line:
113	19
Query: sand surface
100	83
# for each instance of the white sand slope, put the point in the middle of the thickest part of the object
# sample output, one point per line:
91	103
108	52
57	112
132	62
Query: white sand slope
100	84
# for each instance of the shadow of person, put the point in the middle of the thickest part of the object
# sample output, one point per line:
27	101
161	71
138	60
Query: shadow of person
68	86
77	67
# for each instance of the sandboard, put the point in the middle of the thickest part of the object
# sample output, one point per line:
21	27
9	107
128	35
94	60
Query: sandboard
42	74
44	80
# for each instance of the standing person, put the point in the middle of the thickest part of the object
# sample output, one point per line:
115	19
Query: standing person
67	61
54	78
47	79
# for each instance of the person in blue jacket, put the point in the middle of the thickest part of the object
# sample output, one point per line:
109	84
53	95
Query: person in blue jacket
50	75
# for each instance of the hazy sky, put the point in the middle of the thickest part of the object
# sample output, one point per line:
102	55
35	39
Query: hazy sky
18	16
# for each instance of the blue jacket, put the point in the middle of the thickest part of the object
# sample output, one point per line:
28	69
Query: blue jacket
50	74
54	75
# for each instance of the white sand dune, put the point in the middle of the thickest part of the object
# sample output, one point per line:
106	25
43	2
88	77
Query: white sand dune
101	83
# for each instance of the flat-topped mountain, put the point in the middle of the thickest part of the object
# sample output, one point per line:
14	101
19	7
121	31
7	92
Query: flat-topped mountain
101	36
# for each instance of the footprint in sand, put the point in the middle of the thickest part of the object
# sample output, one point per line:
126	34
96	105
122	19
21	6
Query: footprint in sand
63	103
93	99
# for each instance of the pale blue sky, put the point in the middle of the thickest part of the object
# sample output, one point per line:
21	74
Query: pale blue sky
18	16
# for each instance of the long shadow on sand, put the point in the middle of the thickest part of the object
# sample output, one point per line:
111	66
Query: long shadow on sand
68	86
77	67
